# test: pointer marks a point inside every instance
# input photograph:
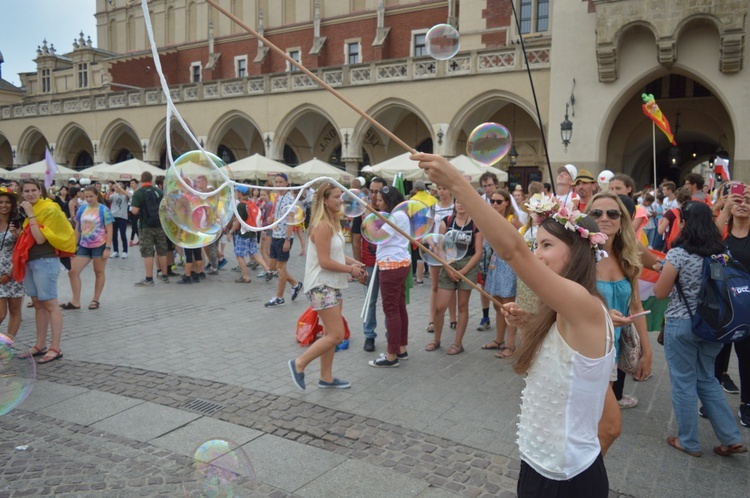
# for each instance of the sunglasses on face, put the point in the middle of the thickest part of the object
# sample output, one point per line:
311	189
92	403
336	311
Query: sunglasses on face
612	214
498	201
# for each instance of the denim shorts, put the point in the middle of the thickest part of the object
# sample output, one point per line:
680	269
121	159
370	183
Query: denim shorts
41	278
91	252
324	297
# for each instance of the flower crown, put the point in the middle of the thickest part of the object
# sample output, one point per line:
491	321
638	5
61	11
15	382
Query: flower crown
541	207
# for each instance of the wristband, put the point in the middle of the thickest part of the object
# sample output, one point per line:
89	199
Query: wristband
107	248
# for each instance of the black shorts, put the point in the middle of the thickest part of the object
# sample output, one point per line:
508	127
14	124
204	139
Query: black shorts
277	250
192	255
591	483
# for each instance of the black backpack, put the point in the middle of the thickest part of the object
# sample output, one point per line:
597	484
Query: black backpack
723	310
149	208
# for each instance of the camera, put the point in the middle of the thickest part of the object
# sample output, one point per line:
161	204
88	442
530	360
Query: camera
18	219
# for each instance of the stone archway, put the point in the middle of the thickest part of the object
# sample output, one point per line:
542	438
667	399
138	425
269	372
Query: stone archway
180	142
119	140
306	133
31	146
235	135
74	147
6	153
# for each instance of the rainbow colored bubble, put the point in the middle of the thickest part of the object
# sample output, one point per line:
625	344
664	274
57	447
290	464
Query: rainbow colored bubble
421	218
350	203
373	229
442	42
17	373
180	237
296	215
222	469
489	143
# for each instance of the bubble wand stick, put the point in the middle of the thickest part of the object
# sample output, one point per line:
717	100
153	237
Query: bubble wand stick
362	113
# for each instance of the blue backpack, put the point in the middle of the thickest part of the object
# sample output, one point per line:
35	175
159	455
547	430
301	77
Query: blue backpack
723	311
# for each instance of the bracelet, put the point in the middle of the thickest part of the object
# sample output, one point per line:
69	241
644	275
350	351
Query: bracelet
31	217
107	248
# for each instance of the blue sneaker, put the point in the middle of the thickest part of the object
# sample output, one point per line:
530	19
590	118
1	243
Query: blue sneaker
297	377
295	290
335	384
222	263
484	324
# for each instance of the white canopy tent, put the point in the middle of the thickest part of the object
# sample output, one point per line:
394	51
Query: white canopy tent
256	167
473	170
389	168
315	168
37	170
128	170
94	172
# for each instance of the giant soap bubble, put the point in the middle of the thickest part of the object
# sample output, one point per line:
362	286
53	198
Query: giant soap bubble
17	373
442	42
222	469
489	143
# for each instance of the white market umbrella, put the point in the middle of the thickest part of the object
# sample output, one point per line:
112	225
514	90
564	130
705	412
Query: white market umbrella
3	172
389	168
315	168
256	167
473	170
128	170
37	170
94	172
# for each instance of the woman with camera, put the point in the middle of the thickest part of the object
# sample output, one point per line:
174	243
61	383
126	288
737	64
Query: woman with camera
11	292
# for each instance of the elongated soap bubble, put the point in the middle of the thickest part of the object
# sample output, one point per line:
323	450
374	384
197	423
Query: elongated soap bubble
421	218
296	215
489	143
222	469
197	213
442	42
17	373
180	237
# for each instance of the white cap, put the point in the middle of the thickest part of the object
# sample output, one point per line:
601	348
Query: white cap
572	170
362	180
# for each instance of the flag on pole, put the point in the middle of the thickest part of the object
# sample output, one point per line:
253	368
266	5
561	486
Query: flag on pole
398	183
652	111
51	171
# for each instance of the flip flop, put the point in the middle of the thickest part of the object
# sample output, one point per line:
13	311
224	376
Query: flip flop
494	345
69	306
734	449
673	442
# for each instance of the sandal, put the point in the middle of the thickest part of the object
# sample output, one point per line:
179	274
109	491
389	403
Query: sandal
494	345
734	449
242	281
69	306
503	353
432	346
35	351
48	358
454	325
455	349
430	328
674	443
94	305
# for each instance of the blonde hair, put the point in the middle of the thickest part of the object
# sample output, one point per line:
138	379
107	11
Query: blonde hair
624	245
319	212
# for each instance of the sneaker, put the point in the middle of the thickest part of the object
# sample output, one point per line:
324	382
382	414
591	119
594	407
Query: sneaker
627	402
145	283
370	345
222	263
744	414
165	279
403	356
335	384
382	362
114	255
274	302
729	386
134	243
236	268
202	275
297	377
195	278
185	280
212	272
124	255
484	324
269	276
702	412
295	290
254	265
170	273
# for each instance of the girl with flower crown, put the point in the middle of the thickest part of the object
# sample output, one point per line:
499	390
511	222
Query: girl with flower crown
567	352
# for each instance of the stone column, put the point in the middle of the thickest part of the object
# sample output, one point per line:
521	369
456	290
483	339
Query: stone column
352	165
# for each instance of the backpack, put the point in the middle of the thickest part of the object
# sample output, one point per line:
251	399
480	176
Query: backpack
253	217
149	208
723	311
674	229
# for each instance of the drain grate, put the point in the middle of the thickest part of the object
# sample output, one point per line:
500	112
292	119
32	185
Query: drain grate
203	406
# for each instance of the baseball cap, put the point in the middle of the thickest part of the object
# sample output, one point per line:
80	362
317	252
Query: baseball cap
572	170
585	176
283	175
242	189
419	185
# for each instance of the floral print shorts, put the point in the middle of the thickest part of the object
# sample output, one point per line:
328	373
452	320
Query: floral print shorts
324	297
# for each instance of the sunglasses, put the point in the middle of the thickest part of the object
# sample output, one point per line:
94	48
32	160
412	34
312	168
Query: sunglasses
498	201
612	214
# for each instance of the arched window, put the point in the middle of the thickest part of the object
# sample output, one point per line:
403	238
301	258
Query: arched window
225	153
290	157
170	26
123	155
84	160
335	158
130	42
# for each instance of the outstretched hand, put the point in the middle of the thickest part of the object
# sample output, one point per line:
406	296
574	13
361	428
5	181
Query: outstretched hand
438	169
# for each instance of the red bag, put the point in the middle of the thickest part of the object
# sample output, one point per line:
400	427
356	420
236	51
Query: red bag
308	327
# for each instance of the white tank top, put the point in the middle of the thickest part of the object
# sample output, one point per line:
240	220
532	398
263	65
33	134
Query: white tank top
561	406
315	276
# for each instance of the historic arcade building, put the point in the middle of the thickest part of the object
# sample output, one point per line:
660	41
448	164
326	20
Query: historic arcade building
594	58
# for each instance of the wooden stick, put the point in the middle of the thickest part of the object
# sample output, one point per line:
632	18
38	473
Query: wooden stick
364	115
313	76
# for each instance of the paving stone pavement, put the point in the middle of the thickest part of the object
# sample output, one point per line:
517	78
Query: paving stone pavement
443	425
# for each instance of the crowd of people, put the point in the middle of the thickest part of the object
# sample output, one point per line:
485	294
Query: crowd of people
562	271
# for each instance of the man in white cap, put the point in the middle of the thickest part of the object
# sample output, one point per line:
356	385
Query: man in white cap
565	176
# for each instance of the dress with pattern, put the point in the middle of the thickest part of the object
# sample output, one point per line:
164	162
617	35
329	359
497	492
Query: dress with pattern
12	288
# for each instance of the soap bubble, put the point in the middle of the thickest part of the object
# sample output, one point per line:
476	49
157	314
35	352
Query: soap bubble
192	212
604	178
488	143
183	238
372	229
222	469
350	207
296	216
449	247
442	42
421	217
17	373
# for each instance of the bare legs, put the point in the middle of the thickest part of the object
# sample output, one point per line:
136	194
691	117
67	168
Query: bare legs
325	347
11	306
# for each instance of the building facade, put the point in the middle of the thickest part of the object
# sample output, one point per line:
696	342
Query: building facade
239	97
